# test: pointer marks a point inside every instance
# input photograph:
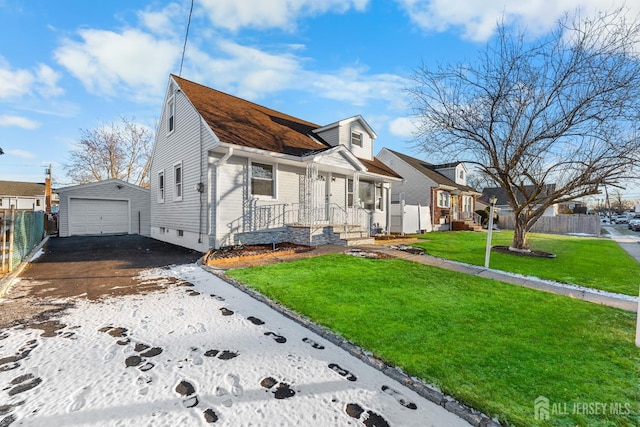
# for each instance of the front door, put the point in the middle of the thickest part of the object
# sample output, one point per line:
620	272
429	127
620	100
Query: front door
322	200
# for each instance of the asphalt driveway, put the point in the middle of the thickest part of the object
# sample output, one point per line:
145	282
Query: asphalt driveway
91	267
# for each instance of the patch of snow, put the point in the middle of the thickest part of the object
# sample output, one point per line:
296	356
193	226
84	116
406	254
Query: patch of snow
37	255
194	355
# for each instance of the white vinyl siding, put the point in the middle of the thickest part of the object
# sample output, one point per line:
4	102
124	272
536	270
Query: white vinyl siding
189	144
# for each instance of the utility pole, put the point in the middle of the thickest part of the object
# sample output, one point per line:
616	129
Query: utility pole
47	190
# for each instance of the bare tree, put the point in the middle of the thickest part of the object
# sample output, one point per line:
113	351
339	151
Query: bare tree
121	151
560	112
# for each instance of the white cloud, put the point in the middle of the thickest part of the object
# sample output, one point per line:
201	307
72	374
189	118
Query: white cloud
132	62
16	83
47	82
164	21
18	121
252	73
262	14
402	126
477	19
21	153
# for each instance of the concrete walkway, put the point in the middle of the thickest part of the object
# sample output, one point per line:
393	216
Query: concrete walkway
624	302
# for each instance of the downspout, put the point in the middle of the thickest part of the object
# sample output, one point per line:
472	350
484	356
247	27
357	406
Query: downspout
217	165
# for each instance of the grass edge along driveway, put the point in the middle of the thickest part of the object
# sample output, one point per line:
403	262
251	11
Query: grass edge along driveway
586	261
493	346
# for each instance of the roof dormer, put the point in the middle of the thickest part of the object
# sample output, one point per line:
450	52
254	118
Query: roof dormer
354	133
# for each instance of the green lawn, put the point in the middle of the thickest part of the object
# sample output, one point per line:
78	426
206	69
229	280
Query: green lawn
592	262
493	346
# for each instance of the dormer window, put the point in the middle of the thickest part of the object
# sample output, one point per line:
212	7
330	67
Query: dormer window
356	139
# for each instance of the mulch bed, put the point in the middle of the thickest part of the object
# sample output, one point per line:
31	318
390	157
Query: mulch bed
537	254
233	254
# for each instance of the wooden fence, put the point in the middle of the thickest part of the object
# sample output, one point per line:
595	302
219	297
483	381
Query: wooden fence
559	224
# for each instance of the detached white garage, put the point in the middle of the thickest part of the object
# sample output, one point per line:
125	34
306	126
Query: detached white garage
106	207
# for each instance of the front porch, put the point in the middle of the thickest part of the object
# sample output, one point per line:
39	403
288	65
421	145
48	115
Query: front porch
330	224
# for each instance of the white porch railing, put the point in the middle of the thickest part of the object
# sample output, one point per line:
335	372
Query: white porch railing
263	217
467	216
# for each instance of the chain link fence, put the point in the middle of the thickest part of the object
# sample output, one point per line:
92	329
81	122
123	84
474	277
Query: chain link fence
20	232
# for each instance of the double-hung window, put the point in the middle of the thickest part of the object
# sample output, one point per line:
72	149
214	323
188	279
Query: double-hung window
444	199
161	187
171	115
263	182
356	138
177	181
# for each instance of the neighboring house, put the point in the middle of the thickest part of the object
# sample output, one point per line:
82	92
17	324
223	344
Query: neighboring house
502	203
226	171
443	188
25	196
112	206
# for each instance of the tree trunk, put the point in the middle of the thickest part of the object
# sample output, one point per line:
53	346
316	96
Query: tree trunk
520	233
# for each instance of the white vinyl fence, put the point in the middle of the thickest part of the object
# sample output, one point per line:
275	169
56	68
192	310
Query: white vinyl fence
409	219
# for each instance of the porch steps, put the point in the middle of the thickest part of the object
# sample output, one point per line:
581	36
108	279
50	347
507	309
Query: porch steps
353	236
358	241
465	226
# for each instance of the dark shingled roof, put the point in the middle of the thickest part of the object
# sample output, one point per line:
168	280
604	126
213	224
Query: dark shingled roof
25	189
240	122
430	171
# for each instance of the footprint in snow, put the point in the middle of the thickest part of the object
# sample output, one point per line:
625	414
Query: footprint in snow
197	328
342	372
282	391
278	338
192	293
218	297
222	355
190	400
255	320
368	418
23	383
226	312
312	343
79	399
400	398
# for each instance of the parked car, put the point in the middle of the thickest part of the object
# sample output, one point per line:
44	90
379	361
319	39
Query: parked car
633	223
621	219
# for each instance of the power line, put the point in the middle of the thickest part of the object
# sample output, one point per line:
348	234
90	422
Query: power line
186	36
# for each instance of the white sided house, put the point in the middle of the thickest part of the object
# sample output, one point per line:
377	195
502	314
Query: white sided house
226	171
112	206
441	188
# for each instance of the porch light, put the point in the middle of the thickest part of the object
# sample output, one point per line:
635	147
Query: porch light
492	204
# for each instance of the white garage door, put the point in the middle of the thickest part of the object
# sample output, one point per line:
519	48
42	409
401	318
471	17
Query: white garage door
92	216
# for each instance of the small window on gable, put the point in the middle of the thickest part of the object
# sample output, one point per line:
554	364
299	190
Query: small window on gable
171	114
177	180
262	180
461	174
356	138
161	187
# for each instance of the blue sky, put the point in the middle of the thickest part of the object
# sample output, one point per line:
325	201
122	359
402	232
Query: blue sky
68	65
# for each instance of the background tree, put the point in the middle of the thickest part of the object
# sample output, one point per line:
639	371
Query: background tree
121	151
559	110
